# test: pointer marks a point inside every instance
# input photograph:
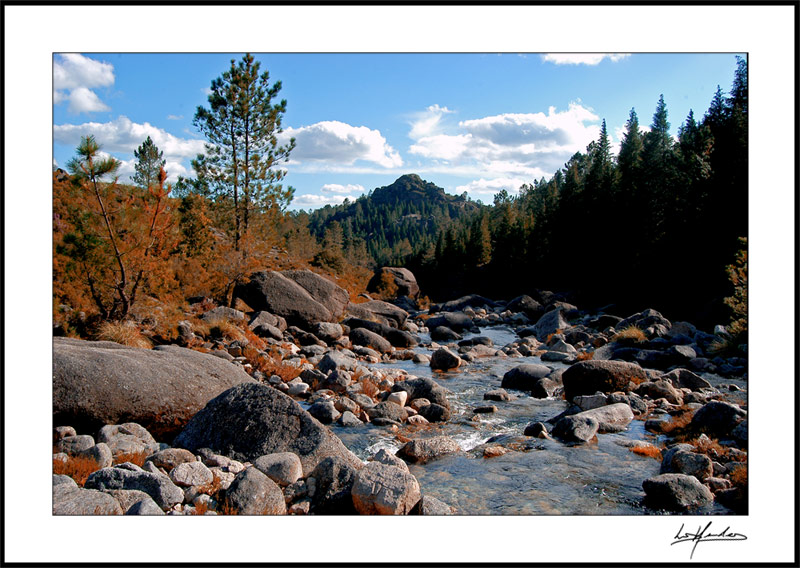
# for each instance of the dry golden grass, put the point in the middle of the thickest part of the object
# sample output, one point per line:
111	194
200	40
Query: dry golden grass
738	476
678	423
368	387
226	330
124	333
136	458
201	508
647	450
78	468
585	356
630	334
200	327
273	364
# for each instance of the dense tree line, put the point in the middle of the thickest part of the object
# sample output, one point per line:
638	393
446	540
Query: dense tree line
654	226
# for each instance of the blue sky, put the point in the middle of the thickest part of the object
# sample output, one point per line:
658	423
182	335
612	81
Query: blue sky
467	122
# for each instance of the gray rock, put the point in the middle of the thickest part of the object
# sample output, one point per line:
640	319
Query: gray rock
644	320
72	500
381	489
127	497
660	389
525	377
145	507
128	438
382	312
60	432
457	321
333	297
435	412
550	323
64	480
334	360
387	410
589	377
284	468
268	319
334	479
99	454
74	445
422	450
576	428
366	338
325	411
485	409
498	395
99	383
717	419
223	313
348	419
527	305
536	429
610	418
327	331
444	360
191	474
387	458
423	388
159	487
275	293
171	457
589	401
344	404
442	333
679	460
253	493
428	506
253	420
676	492
683	378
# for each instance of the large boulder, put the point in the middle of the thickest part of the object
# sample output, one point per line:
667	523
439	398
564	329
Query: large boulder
382	312
100	382
69	499
366	338
381	489
333	297
718	419
611	417
253	493
252	420
577	428
163	491
457	321
443	360
526	305
275	293
676	492
396	337
403	278
588	377
525	377
333	484
423	450
457	305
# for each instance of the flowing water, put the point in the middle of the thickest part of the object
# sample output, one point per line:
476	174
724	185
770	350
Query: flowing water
545	478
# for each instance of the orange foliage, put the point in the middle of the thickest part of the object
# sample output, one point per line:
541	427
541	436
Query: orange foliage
647	450
136	458
77	467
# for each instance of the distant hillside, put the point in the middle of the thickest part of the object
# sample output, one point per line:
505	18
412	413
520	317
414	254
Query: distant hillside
395	220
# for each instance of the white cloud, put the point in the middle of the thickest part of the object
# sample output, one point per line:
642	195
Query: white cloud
426	123
582	58
513	144
333	142
483	188
206	91
85	100
78	75
338	188
313	200
122	136
174	117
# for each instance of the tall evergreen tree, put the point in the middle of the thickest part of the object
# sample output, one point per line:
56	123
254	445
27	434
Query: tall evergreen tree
242	152
149	162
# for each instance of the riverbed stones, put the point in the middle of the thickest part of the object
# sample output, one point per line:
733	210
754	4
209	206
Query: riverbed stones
388	410
366	338
145	507
128	438
381	489
589	377
500	395
74	445
457	321
99	454
610	418
676	492
324	411
435	412
69	499
377	310
423	450
683	378
169	458
423	387
660	389
191	474
100	382
551	322
253	493
403	279
252	420
444	360
388	458
680	459
429	506
536	429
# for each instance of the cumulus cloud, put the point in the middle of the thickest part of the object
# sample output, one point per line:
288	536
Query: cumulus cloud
513	144
124	135
313	200
350	188
582	58
426	123
483	188
74	77
333	142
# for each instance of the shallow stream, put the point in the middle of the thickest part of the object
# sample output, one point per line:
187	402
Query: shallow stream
546	478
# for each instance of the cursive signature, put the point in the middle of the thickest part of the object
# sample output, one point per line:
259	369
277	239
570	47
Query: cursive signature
704	535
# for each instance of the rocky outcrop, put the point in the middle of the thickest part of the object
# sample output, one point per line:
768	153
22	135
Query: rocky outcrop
588	377
99	382
379	311
381	489
252	420
676	492
333	297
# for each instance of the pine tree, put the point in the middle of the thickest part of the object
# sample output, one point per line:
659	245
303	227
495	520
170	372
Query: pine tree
242	152
149	161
